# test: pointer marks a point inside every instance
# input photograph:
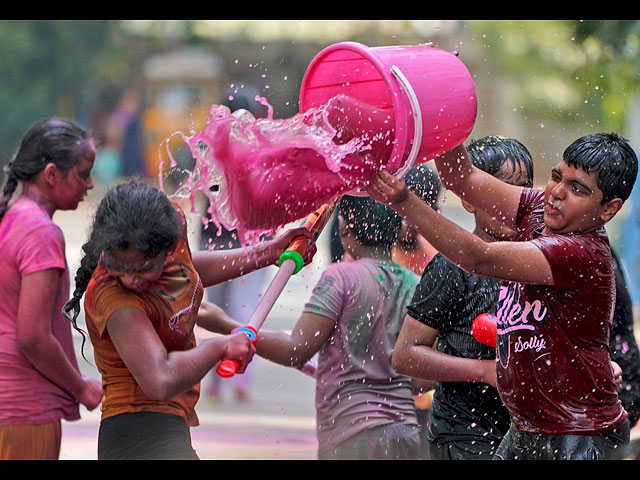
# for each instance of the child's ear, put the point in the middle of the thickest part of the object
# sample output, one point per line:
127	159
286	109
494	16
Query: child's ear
343	229
468	207
610	208
50	173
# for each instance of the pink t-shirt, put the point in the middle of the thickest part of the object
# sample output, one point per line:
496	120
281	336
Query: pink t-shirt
31	242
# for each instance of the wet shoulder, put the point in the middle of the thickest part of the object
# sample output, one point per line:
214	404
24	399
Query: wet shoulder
441	267
530	216
25	218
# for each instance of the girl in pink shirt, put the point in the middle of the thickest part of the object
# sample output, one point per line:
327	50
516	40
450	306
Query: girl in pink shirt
40	382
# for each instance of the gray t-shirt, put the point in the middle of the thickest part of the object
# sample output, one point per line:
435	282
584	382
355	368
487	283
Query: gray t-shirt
357	388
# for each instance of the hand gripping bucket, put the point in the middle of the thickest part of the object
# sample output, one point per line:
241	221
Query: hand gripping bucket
427	91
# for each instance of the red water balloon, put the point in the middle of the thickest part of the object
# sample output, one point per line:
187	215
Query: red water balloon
485	329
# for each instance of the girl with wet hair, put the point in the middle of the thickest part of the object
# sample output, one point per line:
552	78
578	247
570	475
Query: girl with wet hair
143	288
40	382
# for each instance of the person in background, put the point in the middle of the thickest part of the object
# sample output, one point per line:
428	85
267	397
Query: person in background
411	250
468	418
624	346
239	296
40	382
364	409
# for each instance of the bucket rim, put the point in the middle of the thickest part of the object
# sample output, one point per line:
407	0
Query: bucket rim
396	92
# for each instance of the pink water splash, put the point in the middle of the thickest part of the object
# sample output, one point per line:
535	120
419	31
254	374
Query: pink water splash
271	172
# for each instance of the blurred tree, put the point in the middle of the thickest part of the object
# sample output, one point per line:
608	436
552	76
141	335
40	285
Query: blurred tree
570	70
54	67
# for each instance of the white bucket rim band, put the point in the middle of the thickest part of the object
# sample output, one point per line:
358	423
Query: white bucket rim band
417	128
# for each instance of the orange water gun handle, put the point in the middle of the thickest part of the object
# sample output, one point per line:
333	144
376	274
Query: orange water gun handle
297	249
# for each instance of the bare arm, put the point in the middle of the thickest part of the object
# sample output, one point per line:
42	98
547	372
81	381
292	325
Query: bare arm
291	350
482	190
221	265
415	356
514	261
161	374
421	386
40	347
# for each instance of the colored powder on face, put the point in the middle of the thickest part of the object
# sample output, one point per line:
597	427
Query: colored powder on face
270	172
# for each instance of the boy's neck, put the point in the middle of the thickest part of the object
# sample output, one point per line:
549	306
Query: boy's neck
377	253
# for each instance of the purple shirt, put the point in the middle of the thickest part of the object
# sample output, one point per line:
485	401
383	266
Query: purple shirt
356	388
31	242
554	372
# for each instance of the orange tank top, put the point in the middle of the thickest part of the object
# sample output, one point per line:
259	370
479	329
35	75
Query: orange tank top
171	304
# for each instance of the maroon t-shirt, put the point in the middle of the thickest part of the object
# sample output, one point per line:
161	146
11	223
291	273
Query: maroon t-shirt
554	372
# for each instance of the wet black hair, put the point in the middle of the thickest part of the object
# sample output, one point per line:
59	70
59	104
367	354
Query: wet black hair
373	223
242	96
53	140
425	183
610	157
490	153
131	214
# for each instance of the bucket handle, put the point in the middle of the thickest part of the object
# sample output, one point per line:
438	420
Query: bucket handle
417	128
417	121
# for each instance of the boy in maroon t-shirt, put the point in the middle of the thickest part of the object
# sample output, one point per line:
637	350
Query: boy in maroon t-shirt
556	304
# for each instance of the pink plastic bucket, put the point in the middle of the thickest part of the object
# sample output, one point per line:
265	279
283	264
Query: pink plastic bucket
428	92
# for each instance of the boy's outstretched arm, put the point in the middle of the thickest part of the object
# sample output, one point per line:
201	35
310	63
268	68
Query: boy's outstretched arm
414	356
288	349
482	190
512	261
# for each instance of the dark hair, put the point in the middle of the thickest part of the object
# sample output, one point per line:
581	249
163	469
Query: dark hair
132	214
242	96
425	183
610	157
53	140
489	154
373	223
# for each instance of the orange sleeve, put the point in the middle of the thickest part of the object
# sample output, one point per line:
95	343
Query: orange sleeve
104	297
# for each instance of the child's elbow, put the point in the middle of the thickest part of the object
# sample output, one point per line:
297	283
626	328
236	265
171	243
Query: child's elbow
398	361
156	392
31	344
296	360
157	388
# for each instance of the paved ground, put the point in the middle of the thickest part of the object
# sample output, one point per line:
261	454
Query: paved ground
277	424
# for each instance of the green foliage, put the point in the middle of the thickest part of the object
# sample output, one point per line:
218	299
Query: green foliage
53	67
569	70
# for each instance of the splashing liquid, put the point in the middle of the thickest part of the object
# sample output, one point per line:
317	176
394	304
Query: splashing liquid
270	172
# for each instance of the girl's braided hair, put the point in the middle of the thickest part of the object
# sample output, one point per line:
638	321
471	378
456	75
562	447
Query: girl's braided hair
131	214
54	140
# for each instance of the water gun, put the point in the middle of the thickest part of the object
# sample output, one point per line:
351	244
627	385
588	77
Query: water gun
290	262
485	329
